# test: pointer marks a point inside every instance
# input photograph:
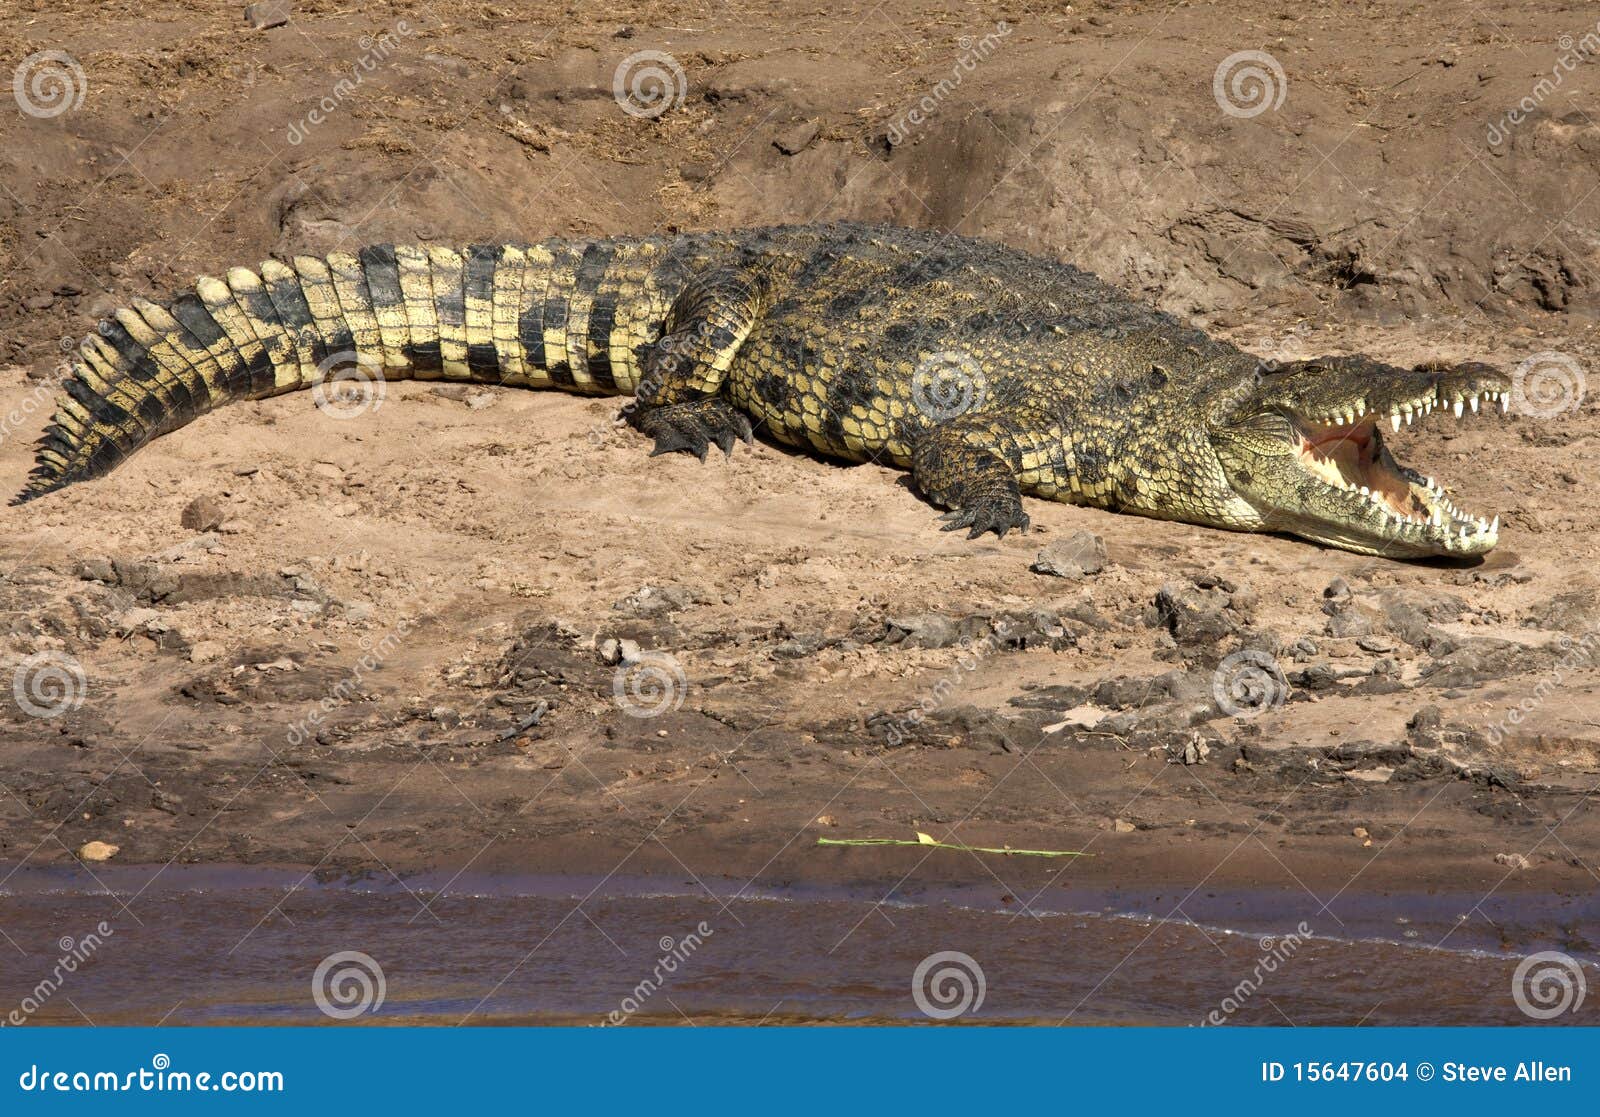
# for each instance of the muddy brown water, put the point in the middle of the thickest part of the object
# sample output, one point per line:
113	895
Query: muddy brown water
197	945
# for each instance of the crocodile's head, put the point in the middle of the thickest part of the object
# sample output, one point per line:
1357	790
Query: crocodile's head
1304	445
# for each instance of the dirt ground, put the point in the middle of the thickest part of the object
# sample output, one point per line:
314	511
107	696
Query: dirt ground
388	649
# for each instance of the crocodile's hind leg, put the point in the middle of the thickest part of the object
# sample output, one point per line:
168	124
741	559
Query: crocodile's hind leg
970	466
678	401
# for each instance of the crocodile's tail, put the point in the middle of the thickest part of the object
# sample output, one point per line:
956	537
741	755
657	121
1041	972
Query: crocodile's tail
563	315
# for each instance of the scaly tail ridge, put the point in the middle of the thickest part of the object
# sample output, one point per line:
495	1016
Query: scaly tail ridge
558	314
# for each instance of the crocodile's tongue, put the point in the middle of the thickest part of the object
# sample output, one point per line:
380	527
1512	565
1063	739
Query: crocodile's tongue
1347	456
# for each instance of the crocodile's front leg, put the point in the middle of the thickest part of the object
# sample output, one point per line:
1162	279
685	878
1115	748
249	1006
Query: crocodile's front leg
970	465
678	402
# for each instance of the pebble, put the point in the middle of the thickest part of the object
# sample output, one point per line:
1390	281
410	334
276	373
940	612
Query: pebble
267	14
202	514
97	851
1079	554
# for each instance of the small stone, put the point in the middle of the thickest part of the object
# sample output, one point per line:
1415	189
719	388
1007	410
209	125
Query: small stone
792	141
1079	554
328	470
445	716
610	651
1122	826
1513	861
628	652
38	302
97	851
1360	832
97	568
201	514
827	820
477	401
267	14
206	650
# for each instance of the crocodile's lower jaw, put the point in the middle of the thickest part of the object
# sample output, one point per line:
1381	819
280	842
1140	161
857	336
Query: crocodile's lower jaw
1383	507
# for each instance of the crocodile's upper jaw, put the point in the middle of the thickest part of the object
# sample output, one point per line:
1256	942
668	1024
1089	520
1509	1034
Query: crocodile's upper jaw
1331	477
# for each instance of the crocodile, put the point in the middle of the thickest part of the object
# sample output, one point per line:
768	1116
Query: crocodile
986	372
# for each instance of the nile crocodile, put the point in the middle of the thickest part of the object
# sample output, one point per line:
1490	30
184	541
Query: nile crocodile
986	372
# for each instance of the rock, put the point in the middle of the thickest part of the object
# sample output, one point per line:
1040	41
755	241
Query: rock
656	601
1360	832
206	650
1513	861
1191	616
97	569
328	470
38	302
924	630
267	14
445	716
202	514
1077	555
1122	826
1337	590
97	851
792	141
827	820
477	401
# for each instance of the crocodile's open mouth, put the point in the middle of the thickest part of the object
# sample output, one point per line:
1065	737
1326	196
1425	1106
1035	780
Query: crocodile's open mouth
1400	507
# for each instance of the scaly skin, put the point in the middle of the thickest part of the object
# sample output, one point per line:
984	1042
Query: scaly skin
986	372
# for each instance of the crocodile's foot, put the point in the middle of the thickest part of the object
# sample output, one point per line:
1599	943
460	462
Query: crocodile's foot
693	425
995	507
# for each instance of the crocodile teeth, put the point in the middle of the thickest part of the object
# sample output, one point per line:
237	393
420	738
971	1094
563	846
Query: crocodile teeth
1394	421
1473	403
